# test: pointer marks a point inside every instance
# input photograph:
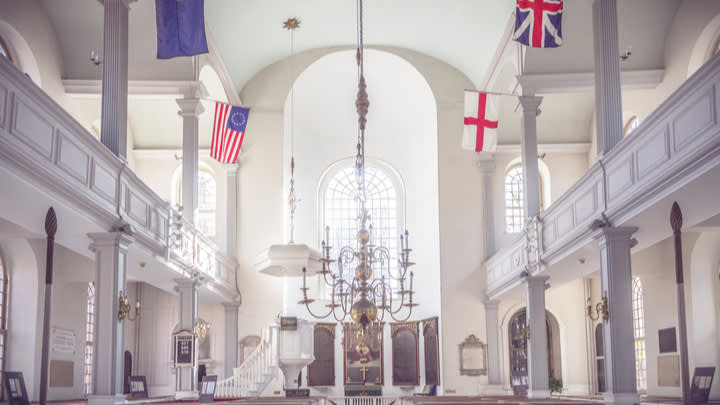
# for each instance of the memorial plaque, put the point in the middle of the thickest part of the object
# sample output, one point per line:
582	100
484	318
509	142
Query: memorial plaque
207	388
138	386
321	372
61	373
405	353
701	383
288	323
667	341
184	348
668	371
63	341
15	391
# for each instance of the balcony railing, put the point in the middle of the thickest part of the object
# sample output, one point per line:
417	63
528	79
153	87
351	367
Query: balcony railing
50	149
677	143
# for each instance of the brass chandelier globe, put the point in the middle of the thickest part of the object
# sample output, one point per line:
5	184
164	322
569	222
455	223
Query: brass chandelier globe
376	290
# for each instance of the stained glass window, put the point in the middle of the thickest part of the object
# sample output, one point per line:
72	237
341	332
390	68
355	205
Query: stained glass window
639	331
514	200
341	211
89	338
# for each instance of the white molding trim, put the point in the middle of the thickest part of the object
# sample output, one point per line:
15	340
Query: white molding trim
216	62
143	89
553	83
165	154
500	54
553	148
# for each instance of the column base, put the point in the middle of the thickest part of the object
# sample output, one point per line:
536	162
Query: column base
617	398
538	394
185	395
106	399
493	389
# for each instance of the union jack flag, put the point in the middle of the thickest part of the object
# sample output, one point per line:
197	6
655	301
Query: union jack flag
538	23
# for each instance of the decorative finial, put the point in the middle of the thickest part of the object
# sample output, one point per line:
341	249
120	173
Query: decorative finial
676	219
51	223
291	24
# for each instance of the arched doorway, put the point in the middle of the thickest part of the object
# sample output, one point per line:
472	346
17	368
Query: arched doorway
517	338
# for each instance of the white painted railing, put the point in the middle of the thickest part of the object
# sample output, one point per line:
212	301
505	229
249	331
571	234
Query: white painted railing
362	400
256	372
47	147
676	144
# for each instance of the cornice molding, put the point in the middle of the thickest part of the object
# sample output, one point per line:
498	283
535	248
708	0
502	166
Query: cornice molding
555	83
142	89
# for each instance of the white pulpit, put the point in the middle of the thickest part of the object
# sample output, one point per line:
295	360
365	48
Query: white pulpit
295	351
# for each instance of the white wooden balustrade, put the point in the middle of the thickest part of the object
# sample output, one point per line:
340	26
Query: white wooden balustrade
43	145
676	145
362	400
256	372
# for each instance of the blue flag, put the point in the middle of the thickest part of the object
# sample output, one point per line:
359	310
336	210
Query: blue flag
180	28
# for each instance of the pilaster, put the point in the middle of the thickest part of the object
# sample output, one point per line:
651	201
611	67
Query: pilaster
231	176
537	344
110	250
231	337
529	154
113	133
486	165
186	379
608	97
492	327
190	110
619	340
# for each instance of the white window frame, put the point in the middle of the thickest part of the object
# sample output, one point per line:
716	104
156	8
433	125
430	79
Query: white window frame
89	374
638	308
177	200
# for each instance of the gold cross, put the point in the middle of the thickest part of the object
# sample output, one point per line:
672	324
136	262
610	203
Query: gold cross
364	370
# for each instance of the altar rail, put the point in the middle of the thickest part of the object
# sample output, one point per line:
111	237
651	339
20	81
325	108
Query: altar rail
677	143
49	148
362	401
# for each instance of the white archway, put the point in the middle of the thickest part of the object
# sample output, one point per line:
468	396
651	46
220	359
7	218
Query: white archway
23	56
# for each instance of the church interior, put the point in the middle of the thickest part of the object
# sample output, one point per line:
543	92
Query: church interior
357	243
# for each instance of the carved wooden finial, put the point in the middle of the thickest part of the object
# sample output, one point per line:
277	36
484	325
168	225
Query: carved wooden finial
362	103
51	223
676	219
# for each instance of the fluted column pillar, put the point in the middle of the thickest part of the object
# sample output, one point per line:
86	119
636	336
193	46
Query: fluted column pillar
618	335
486	164
113	133
186	378
231	337
492	326
537	344
608	98
231	224
529	155
111	250
190	110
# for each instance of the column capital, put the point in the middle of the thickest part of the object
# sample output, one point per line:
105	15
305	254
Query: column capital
125	3
534	281
231	306
491	305
187	283
530	103
619	232
110	239
190	107
231	169
486	163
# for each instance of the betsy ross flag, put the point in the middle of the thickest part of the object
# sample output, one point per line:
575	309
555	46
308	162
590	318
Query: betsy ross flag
480	123
180	28
228	132
538	23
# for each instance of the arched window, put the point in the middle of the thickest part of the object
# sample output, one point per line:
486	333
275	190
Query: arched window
89	338
3	316
639	331
5	49
207	201
631	125
340	210
514	200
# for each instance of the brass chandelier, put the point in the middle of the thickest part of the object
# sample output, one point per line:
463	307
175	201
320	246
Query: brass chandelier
376	290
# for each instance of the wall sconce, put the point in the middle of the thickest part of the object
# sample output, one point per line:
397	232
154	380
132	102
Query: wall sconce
201	329
601	309
95	58
124	308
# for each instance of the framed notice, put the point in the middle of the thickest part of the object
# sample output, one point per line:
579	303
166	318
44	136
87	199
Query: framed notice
184	348
472	357
701	383
138	386
207	388
15	391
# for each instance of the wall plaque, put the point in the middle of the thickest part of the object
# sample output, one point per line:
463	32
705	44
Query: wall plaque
472	357
63	341
405	353
668	369
61	373
207	388
288	323
701	383
184	348
321	372
432	350
138	386
666	340
14	384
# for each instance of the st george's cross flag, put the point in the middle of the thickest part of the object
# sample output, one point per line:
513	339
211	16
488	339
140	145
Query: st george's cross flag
180	28
228	132
481	123
538	23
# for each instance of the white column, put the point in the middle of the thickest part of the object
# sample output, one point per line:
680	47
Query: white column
231	337
190	110
231	171
618	337
486	164
538	384
186	379
113	133
608	98
529	154
110	250
493	342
